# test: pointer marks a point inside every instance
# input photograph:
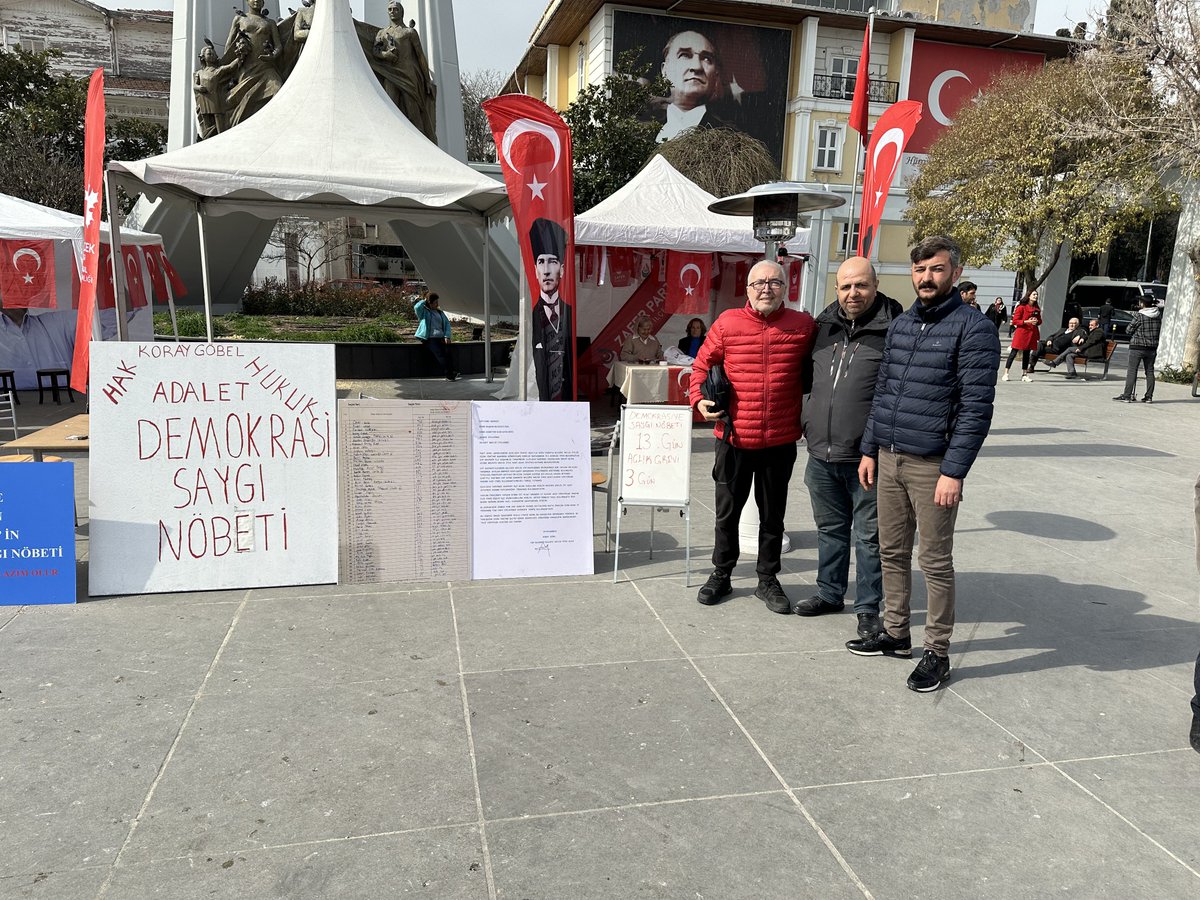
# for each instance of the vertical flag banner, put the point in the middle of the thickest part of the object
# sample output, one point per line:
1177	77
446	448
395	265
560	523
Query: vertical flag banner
688	279
27	274
891	135
860	108
133	275
535	155
93	187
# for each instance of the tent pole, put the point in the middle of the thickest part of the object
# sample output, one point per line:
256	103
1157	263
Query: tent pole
208	319
487	301
118	261
171	306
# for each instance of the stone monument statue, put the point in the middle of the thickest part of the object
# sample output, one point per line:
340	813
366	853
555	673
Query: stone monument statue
404	72
254	40
211	86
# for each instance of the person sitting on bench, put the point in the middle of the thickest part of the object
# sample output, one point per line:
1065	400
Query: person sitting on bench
1091	347
1072	335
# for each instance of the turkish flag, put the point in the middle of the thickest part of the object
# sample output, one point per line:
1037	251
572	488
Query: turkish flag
688	278
891	134
861	107
741	272
620	266
945	78
795	272
534	150
154	268
134	280
106	298
178	288
93	189
27	274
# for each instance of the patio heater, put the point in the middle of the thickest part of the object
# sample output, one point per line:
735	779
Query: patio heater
779	209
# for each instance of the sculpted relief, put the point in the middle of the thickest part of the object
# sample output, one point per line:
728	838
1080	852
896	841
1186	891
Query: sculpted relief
260	53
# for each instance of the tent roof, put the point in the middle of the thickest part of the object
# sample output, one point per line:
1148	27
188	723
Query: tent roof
22	219
660	207
330	138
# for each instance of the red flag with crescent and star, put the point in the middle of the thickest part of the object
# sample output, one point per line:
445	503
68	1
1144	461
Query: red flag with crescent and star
891	134
134	279
534	151
688	278
860	109
93	188
27	274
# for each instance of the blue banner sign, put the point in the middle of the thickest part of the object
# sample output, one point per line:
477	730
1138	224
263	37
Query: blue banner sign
37	533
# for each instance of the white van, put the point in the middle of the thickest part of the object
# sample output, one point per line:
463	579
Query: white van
1093	290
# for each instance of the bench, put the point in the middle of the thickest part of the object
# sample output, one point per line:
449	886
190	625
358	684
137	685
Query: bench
1109	348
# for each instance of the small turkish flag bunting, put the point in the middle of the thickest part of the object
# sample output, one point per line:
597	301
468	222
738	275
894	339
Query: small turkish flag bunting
27	274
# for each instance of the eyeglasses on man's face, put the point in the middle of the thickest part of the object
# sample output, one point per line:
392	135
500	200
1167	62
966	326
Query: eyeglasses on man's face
762	284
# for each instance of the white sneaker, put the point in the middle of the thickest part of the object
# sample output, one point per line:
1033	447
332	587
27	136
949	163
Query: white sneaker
1026	378
1005	378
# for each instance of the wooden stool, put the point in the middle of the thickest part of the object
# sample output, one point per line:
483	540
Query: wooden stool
54	375
8	382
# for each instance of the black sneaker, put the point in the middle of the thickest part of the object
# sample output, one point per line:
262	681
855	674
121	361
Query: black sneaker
1124	398
1145	400
770	592
715	588
881	644
869	624
930	672
817	606
1195	735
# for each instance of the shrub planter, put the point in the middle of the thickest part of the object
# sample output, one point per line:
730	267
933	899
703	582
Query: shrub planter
400	360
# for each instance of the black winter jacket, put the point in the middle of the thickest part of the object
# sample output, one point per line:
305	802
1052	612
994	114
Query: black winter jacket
936	385
845	363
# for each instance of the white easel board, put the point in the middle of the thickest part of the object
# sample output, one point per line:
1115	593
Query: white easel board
656	455
212	466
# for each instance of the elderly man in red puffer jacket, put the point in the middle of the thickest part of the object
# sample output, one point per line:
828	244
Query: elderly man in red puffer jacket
762	348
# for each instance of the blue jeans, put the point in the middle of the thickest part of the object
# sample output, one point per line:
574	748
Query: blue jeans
841	506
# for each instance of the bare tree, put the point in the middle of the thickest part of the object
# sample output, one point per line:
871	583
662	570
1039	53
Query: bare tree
1145	71
477	86
721	160
306	246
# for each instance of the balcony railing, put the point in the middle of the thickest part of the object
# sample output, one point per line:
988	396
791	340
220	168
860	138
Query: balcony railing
841	87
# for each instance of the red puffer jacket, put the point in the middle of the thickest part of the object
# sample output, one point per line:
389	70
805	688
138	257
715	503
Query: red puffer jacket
762	357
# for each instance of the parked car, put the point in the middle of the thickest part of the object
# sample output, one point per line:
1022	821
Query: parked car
1094	290
1120	320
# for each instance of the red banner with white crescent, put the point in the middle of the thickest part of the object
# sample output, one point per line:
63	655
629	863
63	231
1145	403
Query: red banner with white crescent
860	109
93	188
689	276
945	77
27	274
534	147
888	140
134	279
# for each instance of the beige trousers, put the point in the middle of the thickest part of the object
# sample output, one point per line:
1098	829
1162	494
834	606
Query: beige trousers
906	484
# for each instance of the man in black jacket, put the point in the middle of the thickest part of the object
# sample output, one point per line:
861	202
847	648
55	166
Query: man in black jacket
1093	346
845	362
931	413
1069	335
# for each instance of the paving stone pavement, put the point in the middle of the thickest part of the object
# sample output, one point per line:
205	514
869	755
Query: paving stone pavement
579	738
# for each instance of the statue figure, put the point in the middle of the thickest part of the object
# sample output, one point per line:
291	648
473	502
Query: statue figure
254	39
211	88
302	24
404	72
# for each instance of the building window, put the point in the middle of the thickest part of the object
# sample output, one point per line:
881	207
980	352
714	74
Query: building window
845	232
829	139
582	58
30	45
844	76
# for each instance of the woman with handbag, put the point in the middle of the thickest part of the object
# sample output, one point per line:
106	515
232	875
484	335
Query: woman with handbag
1026	336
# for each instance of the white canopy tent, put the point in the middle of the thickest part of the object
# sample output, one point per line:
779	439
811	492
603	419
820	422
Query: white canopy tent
662	208
329	144
22	219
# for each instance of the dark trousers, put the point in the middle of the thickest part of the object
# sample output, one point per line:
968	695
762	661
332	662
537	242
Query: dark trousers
734	471
1196	685
1012	354
1140	357
441	352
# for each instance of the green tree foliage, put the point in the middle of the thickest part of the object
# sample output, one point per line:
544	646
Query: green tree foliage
41	131
609	137
1008	183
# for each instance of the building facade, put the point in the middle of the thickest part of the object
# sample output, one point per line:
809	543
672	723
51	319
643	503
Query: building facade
133	46
787	75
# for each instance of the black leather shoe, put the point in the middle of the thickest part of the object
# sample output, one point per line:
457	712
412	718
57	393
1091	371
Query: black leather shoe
818	606
930	672
869	624
715	588
882	644
1195	735
1124	398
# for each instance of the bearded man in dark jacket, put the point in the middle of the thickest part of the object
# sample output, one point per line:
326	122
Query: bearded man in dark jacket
845	363
931	413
